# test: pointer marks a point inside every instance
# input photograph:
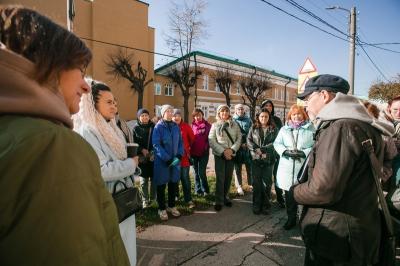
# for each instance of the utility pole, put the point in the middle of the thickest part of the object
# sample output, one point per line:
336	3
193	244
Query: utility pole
352	41
352	48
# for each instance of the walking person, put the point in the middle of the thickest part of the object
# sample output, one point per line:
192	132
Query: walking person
98	127
243	154
260	143
143	132
340	222
293	144
279	193
188	138
200	152
225	139
168	151
55	209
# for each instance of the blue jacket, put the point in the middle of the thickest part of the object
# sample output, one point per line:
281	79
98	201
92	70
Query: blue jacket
167	144
244	123
288	168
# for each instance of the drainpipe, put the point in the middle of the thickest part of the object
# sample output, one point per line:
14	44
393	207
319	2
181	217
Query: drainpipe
284	101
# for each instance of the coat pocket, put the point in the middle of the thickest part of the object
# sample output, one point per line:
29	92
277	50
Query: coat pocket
327	233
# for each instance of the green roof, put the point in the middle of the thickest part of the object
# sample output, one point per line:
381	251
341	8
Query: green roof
223	59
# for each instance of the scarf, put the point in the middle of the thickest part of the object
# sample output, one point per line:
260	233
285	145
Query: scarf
296	124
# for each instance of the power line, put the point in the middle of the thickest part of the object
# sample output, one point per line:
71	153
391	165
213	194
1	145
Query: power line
302	20
305	10
176	57
373	63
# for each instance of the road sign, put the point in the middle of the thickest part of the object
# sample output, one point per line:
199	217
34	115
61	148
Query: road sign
306	72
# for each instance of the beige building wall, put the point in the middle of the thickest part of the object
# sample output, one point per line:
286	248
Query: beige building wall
209	98
122	22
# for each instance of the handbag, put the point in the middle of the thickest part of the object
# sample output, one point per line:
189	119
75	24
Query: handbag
128	200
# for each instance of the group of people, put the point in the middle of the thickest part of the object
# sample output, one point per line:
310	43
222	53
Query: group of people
58	173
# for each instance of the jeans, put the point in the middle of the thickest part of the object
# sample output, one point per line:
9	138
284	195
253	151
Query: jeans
238	174
262	182
144	184
200	177
224	172
186	185
161	195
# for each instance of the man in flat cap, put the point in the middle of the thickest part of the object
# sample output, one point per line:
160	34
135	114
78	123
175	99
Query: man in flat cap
340	223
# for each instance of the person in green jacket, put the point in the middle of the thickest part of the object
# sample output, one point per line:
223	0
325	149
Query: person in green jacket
54	207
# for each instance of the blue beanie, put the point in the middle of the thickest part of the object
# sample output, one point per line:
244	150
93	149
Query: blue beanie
142	111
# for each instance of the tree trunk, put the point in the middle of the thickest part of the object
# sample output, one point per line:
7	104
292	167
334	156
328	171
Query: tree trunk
140	99
228	100
186	107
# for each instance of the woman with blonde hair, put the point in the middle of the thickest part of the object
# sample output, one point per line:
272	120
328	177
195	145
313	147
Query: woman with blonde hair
54	208
225	139
96	123
293	143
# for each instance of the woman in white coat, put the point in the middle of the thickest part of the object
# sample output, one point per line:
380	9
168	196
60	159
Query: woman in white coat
96	123
293	144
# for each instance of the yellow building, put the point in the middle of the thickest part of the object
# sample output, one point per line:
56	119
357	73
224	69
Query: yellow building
122	22
208	93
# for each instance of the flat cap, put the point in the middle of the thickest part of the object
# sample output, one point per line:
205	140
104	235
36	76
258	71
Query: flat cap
327	82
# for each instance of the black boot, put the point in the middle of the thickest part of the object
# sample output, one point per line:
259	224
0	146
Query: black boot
290	223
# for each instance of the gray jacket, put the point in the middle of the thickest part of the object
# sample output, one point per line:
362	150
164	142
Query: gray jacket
219	140
112	169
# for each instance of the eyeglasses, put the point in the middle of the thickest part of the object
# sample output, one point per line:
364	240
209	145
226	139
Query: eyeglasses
308	98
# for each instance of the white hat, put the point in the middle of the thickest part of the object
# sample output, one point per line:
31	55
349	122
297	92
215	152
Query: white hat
164	108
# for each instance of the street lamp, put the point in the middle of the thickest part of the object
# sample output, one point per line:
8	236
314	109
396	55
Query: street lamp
352	37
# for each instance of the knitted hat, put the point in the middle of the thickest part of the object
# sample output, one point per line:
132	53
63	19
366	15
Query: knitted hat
177	112
222	106
238	106
164	108
142	111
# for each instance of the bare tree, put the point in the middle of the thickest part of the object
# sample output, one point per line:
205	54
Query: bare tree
223	78
187	28
121	65
254	88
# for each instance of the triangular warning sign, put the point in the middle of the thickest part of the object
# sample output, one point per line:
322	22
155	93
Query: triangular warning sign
301	89
308	67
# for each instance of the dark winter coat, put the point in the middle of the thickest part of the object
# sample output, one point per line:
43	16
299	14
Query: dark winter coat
340	216
142	134
256	139
167	144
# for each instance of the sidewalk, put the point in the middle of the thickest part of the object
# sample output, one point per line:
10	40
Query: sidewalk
233	236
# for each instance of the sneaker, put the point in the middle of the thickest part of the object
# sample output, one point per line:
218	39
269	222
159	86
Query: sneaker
240	191
163	215
191	205
174	211
145	204
251	188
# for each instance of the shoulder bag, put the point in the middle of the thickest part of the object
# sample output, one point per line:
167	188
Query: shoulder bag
128	200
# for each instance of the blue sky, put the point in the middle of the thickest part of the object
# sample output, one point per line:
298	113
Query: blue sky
256	33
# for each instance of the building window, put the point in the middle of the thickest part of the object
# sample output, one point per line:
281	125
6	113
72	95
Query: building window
157	89
169	89
217	87
205	82
238	88
205	111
